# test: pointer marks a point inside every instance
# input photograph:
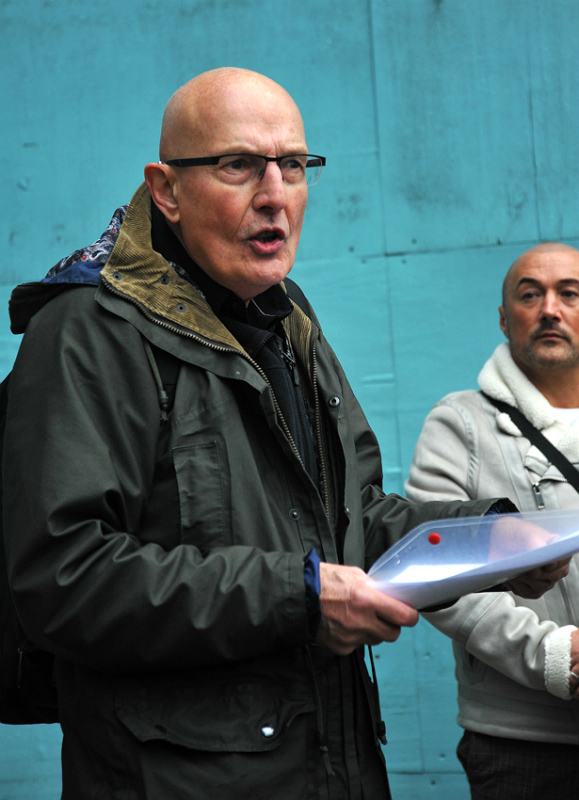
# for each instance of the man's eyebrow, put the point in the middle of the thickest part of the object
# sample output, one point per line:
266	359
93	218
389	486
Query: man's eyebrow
531	281
534	282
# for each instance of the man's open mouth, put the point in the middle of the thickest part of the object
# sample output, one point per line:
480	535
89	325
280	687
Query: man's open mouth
268	236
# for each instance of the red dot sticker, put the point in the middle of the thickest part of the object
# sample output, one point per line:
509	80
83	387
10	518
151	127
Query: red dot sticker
434	538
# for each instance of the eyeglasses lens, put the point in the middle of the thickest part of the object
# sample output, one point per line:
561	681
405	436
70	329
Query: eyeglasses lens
295	169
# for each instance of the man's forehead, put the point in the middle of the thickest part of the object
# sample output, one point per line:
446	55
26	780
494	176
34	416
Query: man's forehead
545	266
252	133
232	111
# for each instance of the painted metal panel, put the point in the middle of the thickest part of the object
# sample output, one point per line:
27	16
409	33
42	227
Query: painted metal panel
554	72
30	762
426	786
469	96
9	343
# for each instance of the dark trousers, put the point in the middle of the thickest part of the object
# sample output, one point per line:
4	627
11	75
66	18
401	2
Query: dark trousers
512	769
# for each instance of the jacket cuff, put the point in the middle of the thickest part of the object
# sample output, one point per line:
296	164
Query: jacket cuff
558	662
313	591
502	506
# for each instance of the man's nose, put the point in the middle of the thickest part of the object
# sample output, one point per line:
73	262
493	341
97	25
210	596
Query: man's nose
271	190
551	305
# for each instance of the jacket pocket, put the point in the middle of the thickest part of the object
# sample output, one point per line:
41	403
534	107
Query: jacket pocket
469	668
200	470
233	718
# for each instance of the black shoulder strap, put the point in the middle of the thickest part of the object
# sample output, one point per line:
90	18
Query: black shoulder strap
296	294
535	436
165	368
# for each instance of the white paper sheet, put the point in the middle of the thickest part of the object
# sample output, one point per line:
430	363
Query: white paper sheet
425	573
433	564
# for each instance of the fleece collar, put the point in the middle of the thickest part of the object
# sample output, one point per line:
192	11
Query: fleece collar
501	379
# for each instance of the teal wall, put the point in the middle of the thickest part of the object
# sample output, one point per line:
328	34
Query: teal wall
450	128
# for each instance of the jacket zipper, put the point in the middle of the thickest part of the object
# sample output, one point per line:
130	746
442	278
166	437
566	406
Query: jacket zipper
218	348
562	585
538	496
318	417
535	486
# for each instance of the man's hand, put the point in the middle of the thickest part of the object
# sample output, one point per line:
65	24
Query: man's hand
536	582
355	613
510	536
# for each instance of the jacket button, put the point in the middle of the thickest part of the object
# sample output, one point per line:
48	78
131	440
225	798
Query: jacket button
334	402
165	279
267	731
181	307
294	514
117	276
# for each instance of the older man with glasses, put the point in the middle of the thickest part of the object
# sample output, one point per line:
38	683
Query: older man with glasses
194	493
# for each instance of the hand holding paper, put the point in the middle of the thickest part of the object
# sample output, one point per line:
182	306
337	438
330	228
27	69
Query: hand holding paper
511	535
536	582
354	612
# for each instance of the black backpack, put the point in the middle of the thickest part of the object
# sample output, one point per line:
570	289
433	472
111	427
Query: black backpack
27	690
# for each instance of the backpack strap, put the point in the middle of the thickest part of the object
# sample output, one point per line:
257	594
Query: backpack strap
165	368
298	297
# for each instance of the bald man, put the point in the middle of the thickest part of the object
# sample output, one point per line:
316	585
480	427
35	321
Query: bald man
516	659
194	493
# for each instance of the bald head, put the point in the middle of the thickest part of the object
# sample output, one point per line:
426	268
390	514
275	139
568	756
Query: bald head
540	254
205	102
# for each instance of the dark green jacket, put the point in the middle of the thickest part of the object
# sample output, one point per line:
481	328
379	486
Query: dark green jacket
163	564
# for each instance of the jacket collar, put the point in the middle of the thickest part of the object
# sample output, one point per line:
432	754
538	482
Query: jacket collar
123	261
162	289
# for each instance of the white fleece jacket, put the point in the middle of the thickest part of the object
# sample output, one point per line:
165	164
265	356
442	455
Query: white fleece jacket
512	654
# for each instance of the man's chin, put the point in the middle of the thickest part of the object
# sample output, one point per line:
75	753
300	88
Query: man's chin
553	355
272	272
264	278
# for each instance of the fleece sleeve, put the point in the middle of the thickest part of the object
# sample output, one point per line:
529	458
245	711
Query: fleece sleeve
493	627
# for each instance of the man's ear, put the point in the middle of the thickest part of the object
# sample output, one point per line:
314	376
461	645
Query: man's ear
161	182
503	321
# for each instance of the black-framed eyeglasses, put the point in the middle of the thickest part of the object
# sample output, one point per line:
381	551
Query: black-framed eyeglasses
240	168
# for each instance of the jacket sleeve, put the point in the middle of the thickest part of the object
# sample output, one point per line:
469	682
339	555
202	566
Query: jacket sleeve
511	639
79	455
493	627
